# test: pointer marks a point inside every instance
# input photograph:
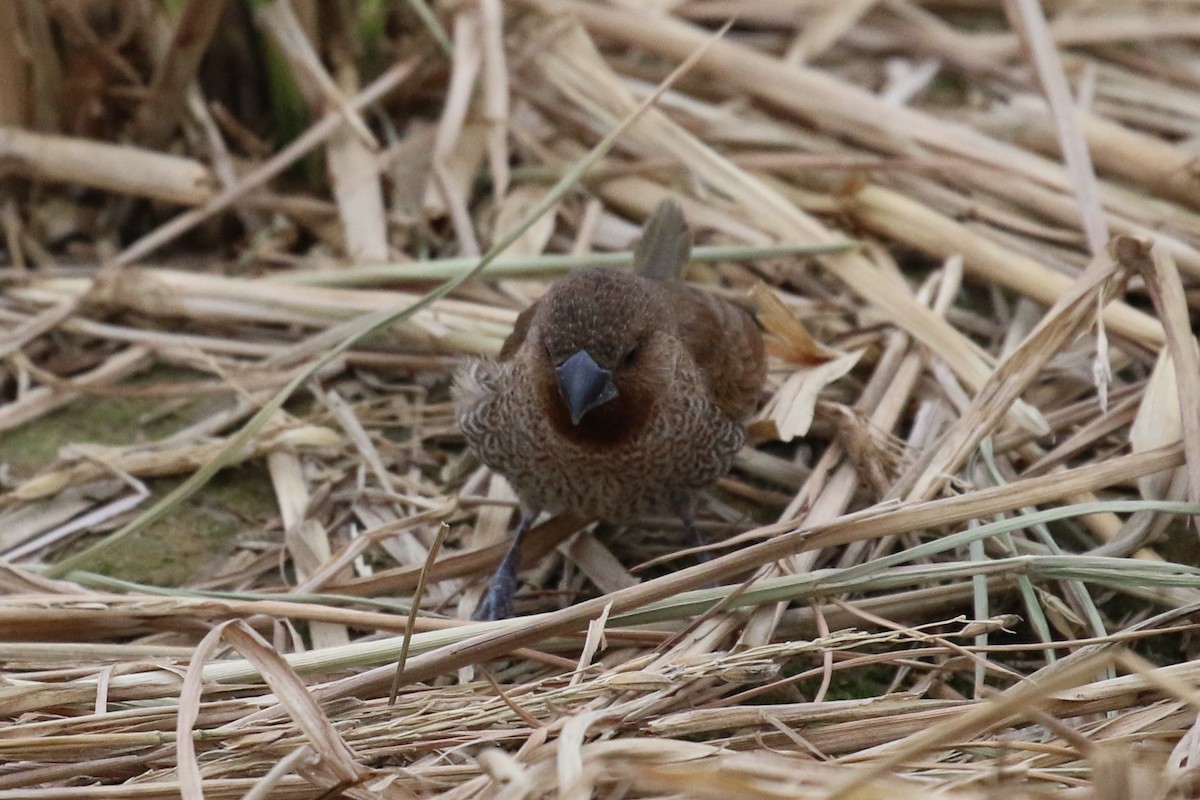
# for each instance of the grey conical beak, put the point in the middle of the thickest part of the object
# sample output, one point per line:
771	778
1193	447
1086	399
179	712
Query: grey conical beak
584	384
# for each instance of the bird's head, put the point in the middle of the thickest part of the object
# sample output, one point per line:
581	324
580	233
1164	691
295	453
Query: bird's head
600	333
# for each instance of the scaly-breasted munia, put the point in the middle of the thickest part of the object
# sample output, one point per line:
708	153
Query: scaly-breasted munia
616	395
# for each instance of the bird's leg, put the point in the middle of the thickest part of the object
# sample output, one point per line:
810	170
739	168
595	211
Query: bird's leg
689	526
688	518
497	603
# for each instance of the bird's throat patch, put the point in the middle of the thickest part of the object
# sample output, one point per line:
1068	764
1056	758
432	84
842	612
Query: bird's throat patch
611	424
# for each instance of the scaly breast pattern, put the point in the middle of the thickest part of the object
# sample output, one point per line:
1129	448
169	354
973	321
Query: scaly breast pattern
686	445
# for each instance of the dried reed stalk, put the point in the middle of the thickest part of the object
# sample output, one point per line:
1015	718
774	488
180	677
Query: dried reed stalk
973	237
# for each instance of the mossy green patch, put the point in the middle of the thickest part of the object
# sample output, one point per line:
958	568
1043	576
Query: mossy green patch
197	538
97	420
855	684
200	535
105	419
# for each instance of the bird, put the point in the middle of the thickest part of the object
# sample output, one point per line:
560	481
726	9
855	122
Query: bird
617	395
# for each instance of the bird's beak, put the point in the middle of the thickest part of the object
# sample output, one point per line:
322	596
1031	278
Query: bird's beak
584	384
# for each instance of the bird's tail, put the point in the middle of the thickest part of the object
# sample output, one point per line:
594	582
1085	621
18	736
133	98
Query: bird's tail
666	244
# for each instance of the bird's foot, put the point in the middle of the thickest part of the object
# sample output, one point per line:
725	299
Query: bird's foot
497	603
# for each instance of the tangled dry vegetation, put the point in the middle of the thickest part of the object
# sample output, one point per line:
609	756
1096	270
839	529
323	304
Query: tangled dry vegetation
960	555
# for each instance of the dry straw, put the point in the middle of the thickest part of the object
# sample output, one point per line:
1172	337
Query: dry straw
957	559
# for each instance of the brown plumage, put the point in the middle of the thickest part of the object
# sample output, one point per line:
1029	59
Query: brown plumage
615	396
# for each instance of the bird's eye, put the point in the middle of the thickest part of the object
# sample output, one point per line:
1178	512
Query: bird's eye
631	357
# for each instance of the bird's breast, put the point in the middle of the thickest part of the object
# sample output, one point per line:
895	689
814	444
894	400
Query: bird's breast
631	456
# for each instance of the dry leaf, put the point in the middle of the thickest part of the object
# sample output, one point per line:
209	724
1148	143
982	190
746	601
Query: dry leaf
793	406
787	337
1158	422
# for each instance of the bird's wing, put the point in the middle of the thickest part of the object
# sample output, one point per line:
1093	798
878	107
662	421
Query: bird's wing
725	342
722	338
519	332
665	245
